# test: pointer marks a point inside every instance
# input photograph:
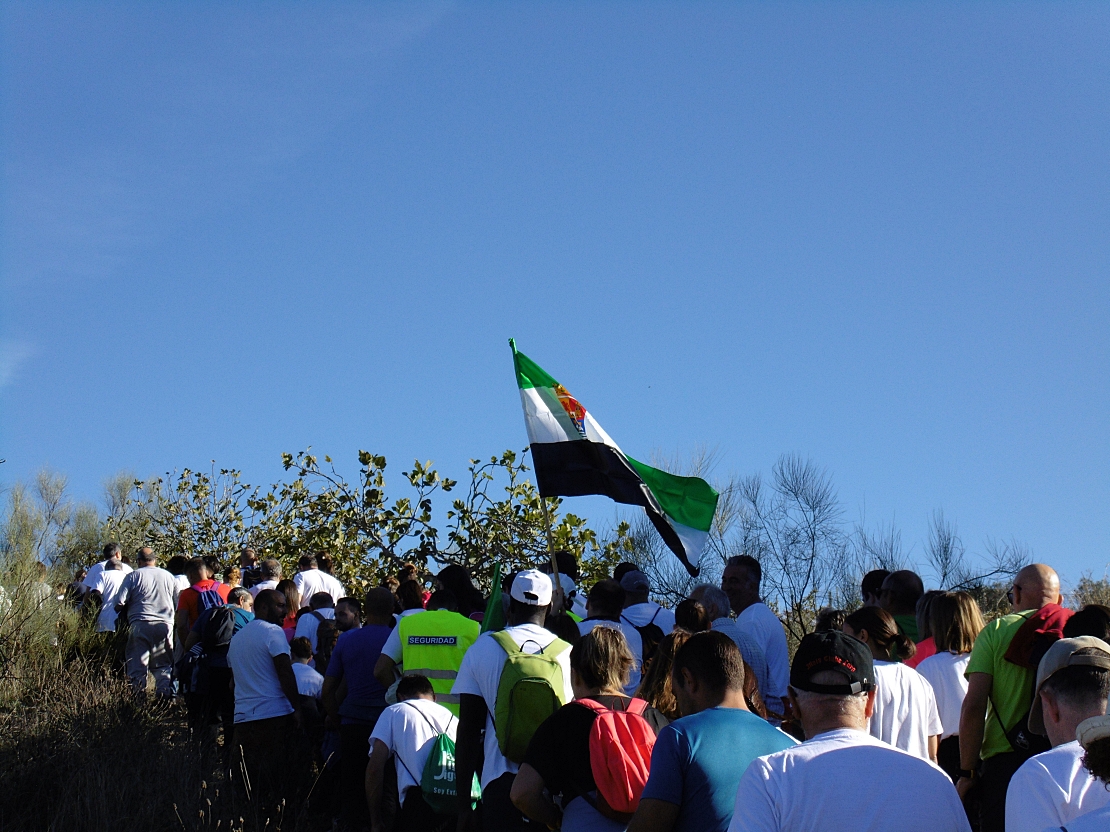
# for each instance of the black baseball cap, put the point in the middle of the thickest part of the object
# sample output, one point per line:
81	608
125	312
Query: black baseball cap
835	651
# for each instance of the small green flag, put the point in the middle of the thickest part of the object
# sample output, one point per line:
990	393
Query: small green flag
494	618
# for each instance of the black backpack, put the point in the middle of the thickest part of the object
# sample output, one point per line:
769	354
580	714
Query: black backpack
650	636
218	629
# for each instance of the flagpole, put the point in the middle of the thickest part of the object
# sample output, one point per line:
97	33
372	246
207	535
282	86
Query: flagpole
551	549
546	522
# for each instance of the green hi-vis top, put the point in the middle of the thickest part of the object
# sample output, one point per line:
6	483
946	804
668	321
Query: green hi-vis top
573	457
433	644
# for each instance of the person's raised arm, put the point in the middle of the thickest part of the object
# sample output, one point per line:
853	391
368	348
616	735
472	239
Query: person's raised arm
654	816
973	719
375	775
284	667
528	795
468	750
385	671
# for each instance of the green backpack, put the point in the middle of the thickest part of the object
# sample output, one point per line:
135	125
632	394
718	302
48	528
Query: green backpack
437	781
531	689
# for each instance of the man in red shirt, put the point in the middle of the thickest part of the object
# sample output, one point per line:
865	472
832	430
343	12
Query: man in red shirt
190	603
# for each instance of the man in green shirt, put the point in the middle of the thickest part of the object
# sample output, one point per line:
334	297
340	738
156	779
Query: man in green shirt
899	596
1008	688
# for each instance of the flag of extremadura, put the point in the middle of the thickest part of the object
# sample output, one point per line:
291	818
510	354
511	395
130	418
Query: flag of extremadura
574	457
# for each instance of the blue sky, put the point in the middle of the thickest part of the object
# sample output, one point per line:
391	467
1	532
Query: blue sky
872	234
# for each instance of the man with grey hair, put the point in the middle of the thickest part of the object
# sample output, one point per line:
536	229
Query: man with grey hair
269	572
149	597
716	605
841	777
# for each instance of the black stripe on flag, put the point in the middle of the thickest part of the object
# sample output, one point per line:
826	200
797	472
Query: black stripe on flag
580	468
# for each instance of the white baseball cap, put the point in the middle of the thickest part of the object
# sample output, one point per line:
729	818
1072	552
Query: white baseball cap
531	587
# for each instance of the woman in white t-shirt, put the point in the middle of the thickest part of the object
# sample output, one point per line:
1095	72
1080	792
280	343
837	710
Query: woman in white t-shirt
955	621
905	713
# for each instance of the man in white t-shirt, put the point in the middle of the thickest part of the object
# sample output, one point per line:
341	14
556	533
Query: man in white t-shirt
740	581
639	610
906	713
603	609
716	604
476	685
1053	788
311	579
267	704
406	732
269	573
108	584
112	551
321	608
842	777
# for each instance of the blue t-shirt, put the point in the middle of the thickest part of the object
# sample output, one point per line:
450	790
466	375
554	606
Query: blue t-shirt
353	659
698	761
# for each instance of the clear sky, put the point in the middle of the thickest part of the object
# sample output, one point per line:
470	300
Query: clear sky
874	234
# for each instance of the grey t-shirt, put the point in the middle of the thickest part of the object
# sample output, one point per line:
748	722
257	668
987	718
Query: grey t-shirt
150	594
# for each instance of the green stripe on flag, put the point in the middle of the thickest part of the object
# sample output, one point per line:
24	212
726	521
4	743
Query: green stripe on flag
528	372
687	500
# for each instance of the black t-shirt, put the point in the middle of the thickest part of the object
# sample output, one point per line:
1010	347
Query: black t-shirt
560	748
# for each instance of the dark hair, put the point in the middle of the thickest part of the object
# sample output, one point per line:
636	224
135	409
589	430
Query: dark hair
905	589
379	602
691	616
606	598
292	595
1097	759
111	550
307	562
443	599
411	595
656	687
1078	685
602	660
301	648
321	600
882	632
177	565
413	685
145	555
351	602
213	564
1092	620
236	595
457	579
407	572
872	582
324	562
623	569
567	563
713	659
829	619
194	567
749	563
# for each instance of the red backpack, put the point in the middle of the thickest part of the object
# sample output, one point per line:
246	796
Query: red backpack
620	756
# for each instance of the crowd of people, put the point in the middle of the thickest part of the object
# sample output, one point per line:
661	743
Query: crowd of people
596	709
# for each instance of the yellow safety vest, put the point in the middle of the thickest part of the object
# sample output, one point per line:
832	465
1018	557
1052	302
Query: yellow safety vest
433	644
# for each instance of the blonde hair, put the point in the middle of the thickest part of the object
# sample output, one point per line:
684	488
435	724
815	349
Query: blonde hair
955	621
602	660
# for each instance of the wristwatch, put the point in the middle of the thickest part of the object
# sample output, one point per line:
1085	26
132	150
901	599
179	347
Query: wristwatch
966	774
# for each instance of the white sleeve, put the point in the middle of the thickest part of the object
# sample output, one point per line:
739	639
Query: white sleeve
124	589
383	729
392	646
754	810
1029	808
467	679
276	643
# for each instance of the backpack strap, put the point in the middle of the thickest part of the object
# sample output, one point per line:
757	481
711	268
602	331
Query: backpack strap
557	647
435	731
637	706
507	642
